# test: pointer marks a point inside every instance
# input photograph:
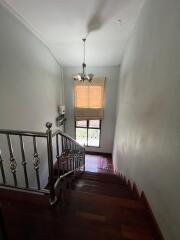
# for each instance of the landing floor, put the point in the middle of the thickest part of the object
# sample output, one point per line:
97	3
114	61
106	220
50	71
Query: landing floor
99	163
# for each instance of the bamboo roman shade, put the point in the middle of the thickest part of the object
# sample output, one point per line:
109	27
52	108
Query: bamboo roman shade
89	99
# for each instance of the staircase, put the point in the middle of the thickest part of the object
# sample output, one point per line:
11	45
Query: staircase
83	205
107	208
92	206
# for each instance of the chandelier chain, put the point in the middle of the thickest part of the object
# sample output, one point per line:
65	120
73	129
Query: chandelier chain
84	40
83	76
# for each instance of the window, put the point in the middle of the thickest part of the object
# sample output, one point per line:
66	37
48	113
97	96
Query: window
88	132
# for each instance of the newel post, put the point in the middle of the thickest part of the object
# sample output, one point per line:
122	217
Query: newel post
53	197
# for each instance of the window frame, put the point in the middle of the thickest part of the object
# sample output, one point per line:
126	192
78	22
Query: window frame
87	127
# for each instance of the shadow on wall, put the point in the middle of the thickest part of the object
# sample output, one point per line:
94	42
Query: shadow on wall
103	12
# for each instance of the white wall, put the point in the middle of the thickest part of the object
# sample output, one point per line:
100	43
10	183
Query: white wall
30	85
147	140
108	123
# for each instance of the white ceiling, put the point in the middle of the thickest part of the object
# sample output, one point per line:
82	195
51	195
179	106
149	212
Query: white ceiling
62	24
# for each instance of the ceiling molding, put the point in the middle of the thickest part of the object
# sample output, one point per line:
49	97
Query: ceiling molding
29	27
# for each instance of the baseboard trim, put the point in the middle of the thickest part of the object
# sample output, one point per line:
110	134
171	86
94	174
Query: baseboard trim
151	214
144	199
109	155
136	191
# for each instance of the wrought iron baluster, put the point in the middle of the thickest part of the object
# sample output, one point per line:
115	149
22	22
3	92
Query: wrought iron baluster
70	160
13	164
66	160
62	142
75	156
66	163
57	156
75	159
84	160
24	161
36	162
79	159
63	159
70	157
2	168
72	146
66	145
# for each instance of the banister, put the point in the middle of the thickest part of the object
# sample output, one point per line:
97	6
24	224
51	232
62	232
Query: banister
70	160
23	133
66	136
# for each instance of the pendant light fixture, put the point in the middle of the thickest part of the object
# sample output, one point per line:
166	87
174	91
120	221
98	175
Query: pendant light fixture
83	76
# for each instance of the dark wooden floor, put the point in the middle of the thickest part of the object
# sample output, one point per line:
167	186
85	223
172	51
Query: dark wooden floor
98	206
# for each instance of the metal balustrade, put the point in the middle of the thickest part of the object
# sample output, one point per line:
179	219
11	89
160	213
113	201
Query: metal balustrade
70	159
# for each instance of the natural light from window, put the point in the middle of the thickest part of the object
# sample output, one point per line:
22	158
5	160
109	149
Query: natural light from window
88	132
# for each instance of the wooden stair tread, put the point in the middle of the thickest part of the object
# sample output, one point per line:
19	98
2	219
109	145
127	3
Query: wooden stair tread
78	224
103	179
100	175
83	215
106	200
104	189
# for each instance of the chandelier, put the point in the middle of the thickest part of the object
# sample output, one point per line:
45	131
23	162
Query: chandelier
84	76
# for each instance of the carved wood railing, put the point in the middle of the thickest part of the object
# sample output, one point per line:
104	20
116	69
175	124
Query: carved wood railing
70	159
